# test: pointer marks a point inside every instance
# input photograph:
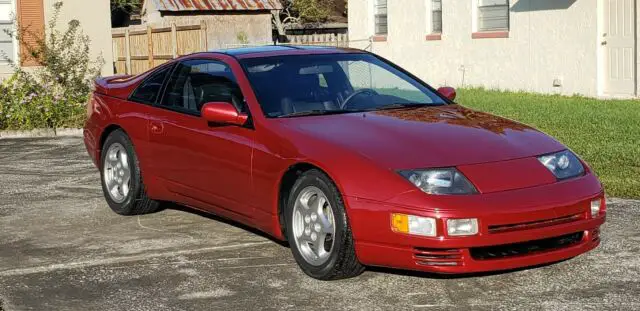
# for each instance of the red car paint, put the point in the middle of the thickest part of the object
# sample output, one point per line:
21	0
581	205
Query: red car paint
237	172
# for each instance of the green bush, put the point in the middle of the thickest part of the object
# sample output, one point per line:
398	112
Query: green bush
53	95
25	105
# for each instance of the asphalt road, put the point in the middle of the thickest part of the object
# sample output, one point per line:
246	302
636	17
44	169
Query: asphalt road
61	248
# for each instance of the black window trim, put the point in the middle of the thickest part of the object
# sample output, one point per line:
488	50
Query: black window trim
147	78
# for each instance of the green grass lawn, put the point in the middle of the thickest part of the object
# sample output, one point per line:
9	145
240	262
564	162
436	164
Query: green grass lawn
605	133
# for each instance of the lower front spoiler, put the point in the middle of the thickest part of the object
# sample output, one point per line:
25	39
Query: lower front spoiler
408	257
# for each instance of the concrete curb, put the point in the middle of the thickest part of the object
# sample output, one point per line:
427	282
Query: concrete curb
64	132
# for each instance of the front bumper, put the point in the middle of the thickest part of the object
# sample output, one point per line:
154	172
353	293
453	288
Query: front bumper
518	228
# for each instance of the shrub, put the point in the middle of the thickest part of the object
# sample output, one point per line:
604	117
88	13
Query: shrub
54	94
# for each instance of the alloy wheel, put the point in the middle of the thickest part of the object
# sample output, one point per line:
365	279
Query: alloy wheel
313	225
117	173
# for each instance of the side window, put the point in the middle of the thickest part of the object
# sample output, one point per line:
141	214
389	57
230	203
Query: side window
197	82
149	90
323	81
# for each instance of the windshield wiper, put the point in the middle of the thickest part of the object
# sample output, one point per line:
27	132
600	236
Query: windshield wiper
313	113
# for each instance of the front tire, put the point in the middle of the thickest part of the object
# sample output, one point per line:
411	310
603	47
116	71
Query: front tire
121	179
318	229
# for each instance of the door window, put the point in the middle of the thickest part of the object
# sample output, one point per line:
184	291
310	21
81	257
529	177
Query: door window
197	82
149	90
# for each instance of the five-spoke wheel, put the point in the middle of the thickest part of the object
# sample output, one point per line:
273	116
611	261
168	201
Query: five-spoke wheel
117	173
121	178
313	225
318	228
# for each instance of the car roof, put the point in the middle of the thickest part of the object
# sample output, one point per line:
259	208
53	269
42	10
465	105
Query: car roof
277	50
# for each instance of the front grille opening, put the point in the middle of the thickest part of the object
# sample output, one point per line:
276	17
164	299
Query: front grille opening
535	224
526	248
437	256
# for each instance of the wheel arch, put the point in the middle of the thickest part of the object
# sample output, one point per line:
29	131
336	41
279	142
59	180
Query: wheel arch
103	137
286	183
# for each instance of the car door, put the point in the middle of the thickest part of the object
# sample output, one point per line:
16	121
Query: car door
207	165
137	110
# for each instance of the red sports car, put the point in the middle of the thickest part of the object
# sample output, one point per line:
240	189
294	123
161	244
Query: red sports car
351	159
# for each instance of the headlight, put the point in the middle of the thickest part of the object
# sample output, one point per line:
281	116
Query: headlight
440	181
563	164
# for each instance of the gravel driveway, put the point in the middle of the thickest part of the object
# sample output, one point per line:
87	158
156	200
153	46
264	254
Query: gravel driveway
61	248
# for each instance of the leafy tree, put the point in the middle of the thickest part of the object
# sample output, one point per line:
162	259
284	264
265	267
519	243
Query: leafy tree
302	12
313	11
125	5
306	11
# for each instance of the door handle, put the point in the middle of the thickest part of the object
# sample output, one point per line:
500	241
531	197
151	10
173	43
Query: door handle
603	43
156	128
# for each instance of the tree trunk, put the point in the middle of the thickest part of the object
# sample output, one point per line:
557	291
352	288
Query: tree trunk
282	35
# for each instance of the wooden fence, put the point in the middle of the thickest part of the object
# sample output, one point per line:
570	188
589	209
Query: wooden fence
328	39
137	50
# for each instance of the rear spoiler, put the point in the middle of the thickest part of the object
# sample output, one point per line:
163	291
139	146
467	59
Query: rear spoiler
107	85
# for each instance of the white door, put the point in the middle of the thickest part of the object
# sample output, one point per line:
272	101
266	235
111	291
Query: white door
618	41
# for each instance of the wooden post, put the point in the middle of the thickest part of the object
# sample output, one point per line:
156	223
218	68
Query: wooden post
150	43
203	30
127	48
174	39
116	57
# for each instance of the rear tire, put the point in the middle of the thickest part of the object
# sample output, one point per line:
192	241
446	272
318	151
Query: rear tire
122	183
318	229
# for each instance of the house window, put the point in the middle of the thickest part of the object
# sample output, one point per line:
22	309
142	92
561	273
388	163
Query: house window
380	17
6	27
493	15
436	16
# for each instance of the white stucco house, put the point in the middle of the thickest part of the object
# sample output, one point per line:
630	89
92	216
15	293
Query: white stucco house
586	47
94	17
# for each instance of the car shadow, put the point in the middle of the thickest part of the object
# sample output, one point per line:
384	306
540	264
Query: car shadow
384	270
186	209
438	276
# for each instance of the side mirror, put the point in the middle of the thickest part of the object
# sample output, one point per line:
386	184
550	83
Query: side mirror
223	113
448	92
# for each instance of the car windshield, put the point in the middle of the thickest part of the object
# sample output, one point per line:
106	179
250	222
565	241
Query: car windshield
300	85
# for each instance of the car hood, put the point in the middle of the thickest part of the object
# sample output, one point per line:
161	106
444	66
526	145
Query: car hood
436	136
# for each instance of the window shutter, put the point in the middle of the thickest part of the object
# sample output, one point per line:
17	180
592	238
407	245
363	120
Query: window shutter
30	18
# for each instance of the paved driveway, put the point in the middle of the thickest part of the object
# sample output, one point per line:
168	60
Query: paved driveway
61	248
